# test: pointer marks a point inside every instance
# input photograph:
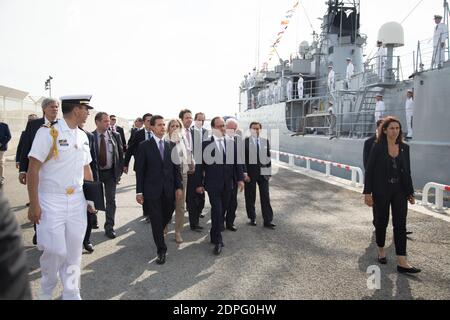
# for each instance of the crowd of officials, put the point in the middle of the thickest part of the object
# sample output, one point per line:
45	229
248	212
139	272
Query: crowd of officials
176	162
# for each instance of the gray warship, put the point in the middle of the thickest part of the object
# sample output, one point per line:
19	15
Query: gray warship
332	124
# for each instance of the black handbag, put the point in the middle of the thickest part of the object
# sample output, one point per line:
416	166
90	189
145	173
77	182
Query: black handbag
93	191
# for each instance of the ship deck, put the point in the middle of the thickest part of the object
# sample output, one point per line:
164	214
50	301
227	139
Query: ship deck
322	248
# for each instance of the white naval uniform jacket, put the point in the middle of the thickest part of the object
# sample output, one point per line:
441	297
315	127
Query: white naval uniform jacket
65	171
440	34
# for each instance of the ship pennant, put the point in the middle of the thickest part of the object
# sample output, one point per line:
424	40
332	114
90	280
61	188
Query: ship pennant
284	26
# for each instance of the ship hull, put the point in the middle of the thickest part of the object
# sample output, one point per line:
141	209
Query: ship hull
429	160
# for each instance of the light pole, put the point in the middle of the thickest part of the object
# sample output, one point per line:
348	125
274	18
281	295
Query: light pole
48	85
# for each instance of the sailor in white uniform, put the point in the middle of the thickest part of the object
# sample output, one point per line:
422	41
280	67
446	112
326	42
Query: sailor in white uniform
350	72
59	163
300	86
380	108
439	40
409	108
289	88
331	78
380	58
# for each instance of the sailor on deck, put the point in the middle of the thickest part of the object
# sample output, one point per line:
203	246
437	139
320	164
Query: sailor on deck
380	58
331	78
300	86
350	72
409	108
439	40
59	162
380	107
289	88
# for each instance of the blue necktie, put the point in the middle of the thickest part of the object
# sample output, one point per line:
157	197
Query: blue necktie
149	136
161	149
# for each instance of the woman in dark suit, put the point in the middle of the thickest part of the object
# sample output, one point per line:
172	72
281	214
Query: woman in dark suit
389	184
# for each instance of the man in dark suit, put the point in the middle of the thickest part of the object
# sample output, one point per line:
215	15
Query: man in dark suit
158	183
258	165
135	140
50	108
109	150
194	201
31	117
116	129
91	217
230	213
218	173
138	125
133	146
5	137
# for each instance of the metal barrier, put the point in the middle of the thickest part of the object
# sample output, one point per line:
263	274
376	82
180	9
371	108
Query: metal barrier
357	173
440	188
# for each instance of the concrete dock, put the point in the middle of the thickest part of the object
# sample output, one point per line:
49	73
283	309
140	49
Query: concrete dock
322	248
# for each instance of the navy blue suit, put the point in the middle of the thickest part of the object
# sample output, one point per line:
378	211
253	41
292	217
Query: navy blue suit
157	179
19	147
91	218
219	179
5	136
28	138
195	202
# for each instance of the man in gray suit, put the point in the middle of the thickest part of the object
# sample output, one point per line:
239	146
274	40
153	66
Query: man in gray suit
109	152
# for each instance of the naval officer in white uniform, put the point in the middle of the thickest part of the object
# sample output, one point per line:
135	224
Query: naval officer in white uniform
59	162
409	108
439	40
331	78
380	108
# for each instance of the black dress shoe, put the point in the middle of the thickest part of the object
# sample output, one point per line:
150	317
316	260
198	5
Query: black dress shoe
88	247
218	249
252	223
232	228
35	239
269	226
110	234
95	227
408	271
382	260
161	259
197	229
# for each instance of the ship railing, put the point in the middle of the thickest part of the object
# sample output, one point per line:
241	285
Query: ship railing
357	125
427	56
280	93
357	175
439	201
375	72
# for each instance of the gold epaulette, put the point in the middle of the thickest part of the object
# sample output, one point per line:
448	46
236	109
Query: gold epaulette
54	133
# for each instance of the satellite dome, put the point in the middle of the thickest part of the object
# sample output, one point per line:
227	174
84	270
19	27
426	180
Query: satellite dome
392	34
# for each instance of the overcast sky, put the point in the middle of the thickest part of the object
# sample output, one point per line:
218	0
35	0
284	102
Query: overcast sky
159	56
